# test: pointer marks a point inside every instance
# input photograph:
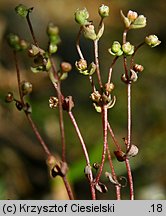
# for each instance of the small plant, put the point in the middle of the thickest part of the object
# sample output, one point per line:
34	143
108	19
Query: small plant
101	95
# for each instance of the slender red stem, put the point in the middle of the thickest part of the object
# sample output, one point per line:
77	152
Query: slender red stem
56	82
130	178
97	63
18	77
61	123
117	187
68	188
113	137
84	148
135	51
35	130
104	121
129	118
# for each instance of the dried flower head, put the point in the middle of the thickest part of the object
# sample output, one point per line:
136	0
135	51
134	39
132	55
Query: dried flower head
53	102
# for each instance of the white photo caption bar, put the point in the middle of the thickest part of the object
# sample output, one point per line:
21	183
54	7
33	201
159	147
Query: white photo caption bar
82	207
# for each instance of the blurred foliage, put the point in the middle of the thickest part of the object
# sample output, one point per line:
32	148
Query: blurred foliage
23	172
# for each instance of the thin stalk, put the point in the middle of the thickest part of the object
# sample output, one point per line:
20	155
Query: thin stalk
18	77
135	51
111	68
78	43
34	128
113	137
124	58
97	63
104	122
129	120
130	178
61	123
92	83
129	116
84	148
68	188
117	187
56	82
31	29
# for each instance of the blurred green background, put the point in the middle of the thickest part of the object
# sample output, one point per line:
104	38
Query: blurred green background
23	171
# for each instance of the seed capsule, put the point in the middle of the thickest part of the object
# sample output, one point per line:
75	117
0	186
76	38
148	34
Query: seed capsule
9	97
26	87
133	151
104	11
138	68
53	102
66	67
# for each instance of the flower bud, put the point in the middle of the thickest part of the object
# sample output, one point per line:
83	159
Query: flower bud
133	21
26	87
81	16
81	65
96	96
66	67
9	97
116	49
104	11
140	22
152	40
138	68
21	10
109	87
132	15
52	29
14	41
128	48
